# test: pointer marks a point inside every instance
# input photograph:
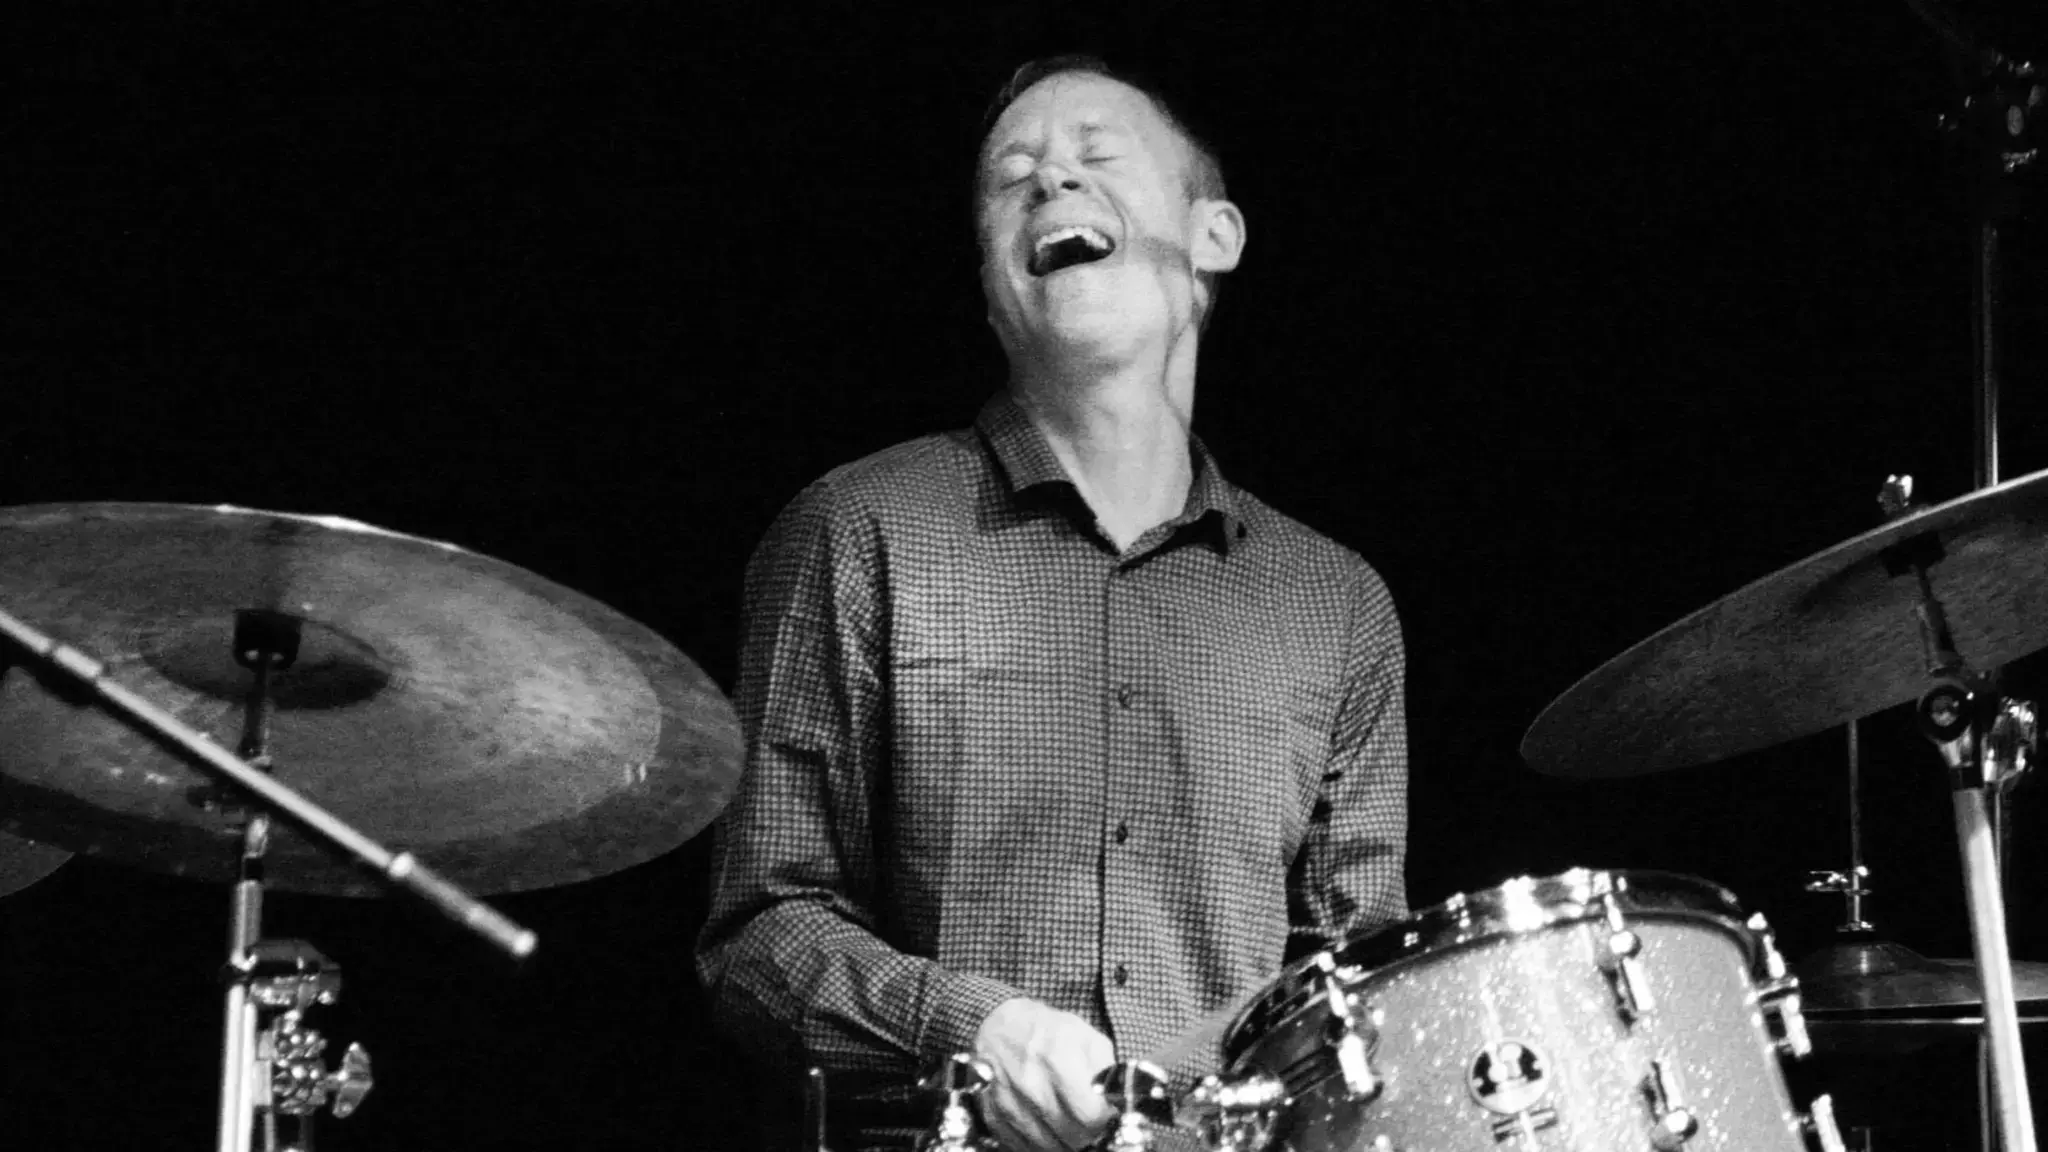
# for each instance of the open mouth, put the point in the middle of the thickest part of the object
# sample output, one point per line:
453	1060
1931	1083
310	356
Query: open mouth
1067	247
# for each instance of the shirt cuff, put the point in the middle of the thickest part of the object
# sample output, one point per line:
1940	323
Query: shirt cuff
955	1006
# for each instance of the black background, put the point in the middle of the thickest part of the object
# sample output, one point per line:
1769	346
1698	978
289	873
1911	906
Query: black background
1571	317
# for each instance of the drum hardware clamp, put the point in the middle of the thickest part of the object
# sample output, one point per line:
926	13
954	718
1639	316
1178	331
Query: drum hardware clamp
287	977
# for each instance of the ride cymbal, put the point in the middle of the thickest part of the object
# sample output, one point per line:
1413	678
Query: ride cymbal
1829	639
512	733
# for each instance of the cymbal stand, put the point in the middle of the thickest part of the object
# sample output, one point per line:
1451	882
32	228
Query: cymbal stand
1993	125
1986	740
288	1049
1850	885
1998	117
270	1064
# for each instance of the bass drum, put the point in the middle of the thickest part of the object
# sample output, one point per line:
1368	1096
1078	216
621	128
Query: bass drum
1590	1011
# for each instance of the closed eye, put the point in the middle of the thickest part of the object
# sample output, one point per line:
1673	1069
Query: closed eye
1013	171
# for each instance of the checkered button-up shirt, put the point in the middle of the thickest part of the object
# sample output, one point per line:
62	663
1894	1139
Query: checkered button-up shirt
991	756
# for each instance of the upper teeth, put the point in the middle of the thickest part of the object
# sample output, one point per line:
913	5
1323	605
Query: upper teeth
1094	238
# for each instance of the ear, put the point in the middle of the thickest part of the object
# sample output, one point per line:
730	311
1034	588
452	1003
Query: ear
1218	236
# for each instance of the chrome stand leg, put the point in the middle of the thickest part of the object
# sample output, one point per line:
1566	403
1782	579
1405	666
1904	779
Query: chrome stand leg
2014	1117
238	1062
1987	1110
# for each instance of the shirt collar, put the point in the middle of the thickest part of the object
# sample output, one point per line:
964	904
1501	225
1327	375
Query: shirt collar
1028	462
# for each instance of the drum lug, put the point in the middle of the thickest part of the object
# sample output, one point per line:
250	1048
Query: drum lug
1622	963
1625	973
1778	995
1673	1123
1767	948
1819	1126
1780	1001
1350	1036
1240	1115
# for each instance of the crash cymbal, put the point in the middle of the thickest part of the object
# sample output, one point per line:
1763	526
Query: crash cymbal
1869	979
511	732
1824	641
23	862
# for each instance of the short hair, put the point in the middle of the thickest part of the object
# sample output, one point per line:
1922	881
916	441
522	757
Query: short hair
1202	179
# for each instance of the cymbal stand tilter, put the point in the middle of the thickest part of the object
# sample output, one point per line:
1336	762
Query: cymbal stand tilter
1986	739
282	977
270	1063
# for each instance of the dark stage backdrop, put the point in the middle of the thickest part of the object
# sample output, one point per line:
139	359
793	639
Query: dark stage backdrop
1571	317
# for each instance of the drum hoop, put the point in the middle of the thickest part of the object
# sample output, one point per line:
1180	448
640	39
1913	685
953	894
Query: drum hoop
1514	907
1533	903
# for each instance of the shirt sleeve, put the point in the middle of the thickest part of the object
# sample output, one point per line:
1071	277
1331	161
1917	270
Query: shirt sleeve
792	953
1349	876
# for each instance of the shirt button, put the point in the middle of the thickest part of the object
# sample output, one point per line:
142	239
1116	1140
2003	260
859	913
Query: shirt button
1124	694
1123	831
1123	975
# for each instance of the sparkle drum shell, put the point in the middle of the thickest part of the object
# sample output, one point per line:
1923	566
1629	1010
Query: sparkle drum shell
1505	1019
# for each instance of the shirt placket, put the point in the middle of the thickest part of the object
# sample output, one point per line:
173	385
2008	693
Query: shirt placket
1127	707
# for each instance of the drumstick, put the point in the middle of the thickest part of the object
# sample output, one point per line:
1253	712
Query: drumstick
1205	1033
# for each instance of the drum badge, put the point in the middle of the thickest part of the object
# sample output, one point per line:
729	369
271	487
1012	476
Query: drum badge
1509	1077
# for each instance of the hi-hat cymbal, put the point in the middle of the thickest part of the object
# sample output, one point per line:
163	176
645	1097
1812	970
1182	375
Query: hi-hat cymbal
1877	978
512	733
1827	640
1875	998
1843	1035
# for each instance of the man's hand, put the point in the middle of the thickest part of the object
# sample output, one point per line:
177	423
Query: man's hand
1043	1098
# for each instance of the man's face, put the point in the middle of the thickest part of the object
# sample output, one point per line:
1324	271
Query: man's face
1086	230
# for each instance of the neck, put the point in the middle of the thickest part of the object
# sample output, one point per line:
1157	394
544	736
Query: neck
1120	433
